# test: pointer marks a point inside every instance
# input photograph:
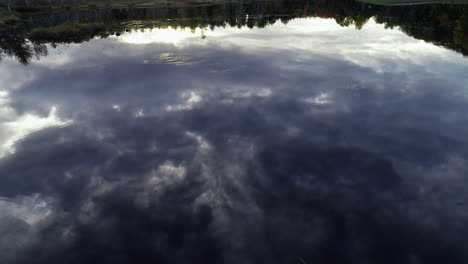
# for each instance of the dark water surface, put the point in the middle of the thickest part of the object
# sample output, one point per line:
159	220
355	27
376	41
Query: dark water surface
235	132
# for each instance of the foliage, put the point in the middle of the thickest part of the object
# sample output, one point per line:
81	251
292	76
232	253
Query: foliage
444	25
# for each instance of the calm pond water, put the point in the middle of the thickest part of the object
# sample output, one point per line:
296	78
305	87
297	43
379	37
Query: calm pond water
234	132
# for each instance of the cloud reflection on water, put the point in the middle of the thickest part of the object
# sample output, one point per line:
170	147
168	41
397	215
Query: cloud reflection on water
273	145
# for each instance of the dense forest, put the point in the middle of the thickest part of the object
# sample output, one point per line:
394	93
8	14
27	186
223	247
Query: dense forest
25	27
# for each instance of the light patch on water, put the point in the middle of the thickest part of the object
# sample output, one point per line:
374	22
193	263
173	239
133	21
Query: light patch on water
6	111
171	58
202	142
159	35
140	113
191	99
116	107
321	99
30	209
263	92
166	174
19	127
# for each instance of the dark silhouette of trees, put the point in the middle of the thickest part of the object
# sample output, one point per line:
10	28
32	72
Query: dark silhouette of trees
13	43
444	25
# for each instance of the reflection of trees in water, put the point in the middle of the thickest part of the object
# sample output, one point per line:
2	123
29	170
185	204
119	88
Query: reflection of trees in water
14	43
443	25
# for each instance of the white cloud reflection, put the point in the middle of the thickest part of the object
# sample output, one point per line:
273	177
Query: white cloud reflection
191	99
313	34
373	46
19	126
320	99
273	84
164	35
30	209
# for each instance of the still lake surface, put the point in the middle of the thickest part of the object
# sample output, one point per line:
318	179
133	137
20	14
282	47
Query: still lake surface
235	132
